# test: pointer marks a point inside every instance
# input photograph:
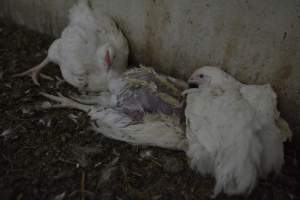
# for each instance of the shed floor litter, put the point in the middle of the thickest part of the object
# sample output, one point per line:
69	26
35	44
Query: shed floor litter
53	155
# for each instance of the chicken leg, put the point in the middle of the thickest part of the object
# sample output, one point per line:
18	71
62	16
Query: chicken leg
64	102
34	72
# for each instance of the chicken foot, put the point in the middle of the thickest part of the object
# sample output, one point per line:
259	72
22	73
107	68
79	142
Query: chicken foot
64	102
35	71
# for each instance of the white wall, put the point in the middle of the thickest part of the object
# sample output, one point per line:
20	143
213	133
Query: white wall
258	41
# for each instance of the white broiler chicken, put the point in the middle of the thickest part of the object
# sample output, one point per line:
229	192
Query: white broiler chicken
146	109
89	47
231	130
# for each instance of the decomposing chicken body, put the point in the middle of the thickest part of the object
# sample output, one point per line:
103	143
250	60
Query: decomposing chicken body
146	109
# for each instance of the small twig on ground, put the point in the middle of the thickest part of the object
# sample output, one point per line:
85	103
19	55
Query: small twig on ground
67	161
137	174
82	185
155	162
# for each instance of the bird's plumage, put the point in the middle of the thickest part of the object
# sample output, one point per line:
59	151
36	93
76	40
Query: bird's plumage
142	90
147	109
263	100
157	129
90	51
78	51
231	130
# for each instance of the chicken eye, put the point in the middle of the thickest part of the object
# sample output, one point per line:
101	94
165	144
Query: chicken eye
201	75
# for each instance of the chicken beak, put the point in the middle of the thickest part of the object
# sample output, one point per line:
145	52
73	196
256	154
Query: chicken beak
192	83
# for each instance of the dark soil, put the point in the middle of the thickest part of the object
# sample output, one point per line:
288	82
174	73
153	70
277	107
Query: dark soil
52	154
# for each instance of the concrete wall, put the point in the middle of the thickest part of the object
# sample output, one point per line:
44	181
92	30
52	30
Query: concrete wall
257	41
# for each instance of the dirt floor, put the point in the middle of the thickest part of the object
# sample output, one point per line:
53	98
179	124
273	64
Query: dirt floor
52	154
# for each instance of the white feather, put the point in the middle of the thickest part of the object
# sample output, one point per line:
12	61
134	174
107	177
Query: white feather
263	101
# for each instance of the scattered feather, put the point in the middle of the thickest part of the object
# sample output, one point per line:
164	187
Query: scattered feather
108	172
6	133
97	164
26	110
60	196
46	105
49	123
146	154
73	117
8	85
